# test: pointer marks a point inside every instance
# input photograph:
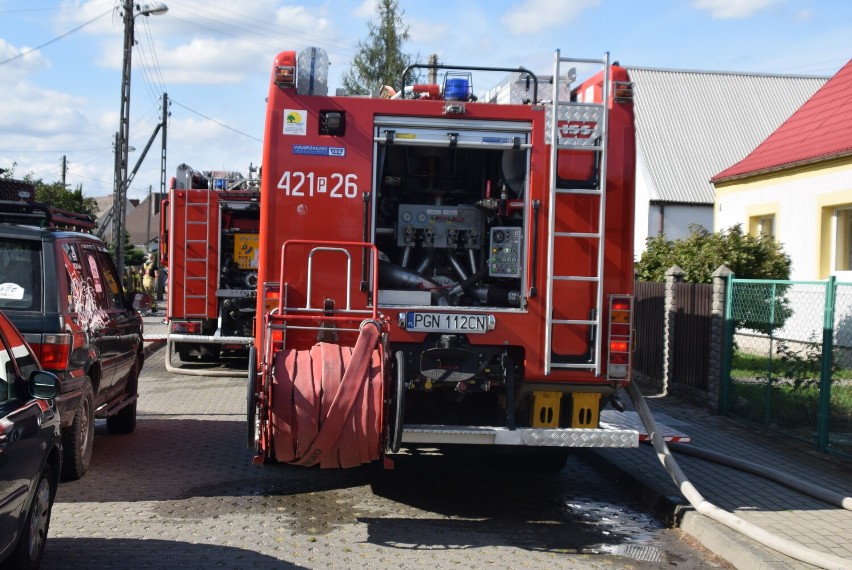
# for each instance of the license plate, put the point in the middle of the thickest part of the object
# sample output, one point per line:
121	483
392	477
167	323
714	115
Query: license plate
447	322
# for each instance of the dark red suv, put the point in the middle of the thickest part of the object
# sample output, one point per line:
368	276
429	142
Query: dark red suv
61	290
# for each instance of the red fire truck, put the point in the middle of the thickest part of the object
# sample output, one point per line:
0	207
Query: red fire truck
209	229
437	269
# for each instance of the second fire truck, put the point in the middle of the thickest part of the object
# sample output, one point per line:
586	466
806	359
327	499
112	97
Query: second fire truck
210	232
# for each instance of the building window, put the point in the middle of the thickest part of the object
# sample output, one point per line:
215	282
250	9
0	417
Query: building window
843	239
762	225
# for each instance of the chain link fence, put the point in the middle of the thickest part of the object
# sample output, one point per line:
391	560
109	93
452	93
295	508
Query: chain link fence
788	365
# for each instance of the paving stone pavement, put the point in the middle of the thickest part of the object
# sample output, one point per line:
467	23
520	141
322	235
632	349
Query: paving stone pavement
180	492
234	515
774	507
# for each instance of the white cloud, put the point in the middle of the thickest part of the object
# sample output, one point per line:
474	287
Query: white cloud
366	10
532	16
21	65
733	9
427	32
209	61
302	19
38	115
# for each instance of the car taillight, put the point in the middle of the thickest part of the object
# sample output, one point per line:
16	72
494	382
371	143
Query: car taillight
53	351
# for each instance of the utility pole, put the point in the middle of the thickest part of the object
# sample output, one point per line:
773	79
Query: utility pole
64	170
122	143
433	71
163	147
148	229
123	136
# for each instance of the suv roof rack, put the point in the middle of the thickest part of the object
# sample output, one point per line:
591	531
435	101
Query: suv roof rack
44	215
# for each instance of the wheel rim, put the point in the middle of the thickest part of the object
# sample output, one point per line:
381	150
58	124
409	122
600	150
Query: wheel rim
40	519
85	427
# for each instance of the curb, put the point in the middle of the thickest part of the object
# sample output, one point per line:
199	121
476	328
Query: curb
743	553
152	346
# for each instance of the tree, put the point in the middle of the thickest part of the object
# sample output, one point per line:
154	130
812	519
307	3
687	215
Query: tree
58	196
761	306
55	193
702	252
380	60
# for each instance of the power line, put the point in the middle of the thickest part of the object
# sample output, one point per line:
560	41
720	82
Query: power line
45	44
257	27
56	151
221	124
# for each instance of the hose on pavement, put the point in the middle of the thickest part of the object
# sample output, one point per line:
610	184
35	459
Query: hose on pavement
701	505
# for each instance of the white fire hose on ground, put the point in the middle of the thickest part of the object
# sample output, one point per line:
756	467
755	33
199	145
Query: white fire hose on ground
775	542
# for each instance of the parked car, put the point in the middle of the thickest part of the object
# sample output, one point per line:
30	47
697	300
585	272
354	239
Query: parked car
60	288
30	450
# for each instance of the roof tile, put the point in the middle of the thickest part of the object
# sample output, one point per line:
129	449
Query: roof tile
820	129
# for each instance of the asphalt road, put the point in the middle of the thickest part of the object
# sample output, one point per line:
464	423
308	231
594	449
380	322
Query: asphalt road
181	492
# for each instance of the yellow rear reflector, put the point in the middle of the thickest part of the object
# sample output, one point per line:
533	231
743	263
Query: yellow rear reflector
585	412
545	411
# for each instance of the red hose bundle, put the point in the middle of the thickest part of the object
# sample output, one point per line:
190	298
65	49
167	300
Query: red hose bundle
326	403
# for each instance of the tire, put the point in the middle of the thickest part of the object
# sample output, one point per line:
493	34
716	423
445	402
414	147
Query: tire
183	351
125	420
251	400
548	459
397	403
30	548
210	353
78	438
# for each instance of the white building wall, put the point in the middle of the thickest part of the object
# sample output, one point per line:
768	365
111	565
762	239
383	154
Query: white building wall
797	201
643	198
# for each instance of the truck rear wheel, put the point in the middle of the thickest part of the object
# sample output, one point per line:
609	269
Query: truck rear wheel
396	407
251	400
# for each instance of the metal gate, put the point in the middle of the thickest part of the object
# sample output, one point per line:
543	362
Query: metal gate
788	360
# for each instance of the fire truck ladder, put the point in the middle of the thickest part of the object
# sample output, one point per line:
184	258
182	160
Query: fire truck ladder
583	127
198	253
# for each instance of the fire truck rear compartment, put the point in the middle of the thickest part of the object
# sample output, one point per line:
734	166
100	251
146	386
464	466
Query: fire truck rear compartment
450	225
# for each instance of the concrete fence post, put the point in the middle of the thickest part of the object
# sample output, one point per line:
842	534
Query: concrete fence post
673	276
717	335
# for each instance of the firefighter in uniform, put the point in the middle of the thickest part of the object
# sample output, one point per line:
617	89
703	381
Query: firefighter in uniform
150	273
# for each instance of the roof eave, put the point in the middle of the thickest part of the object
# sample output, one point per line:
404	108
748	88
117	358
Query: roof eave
781	167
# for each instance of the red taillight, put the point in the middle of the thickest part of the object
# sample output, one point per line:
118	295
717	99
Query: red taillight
620	337
53	351
187	327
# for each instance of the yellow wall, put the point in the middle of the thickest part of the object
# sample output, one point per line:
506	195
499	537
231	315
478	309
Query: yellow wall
806	197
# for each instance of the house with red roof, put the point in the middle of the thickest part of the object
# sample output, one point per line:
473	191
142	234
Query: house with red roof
797	185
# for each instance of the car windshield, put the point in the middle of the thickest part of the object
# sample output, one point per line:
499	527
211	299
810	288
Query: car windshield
20	275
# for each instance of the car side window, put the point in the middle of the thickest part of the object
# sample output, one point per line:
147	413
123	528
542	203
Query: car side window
19	350
96	279
72	271
112	286
13	351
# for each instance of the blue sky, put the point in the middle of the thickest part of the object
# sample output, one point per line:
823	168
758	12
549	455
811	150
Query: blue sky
213	58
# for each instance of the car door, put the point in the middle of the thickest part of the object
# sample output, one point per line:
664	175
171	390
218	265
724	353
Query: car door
103	337
23	441
124	321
